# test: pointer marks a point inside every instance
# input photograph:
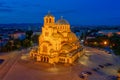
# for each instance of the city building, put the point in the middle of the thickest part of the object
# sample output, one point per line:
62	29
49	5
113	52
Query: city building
18	35
57	43
109	33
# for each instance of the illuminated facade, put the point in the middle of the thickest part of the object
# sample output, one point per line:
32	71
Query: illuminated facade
56	43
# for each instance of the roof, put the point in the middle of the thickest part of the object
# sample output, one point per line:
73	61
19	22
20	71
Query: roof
108	31
70	54
72	35
62	21
66	47
18	32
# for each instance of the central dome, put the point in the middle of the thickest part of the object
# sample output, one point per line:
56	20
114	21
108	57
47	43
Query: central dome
62	21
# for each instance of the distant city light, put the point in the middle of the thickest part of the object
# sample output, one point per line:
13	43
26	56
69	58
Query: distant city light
105	42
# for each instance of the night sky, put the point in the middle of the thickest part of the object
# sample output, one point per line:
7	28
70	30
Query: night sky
77	12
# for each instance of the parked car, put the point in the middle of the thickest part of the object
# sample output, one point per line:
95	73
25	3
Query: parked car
81	76
1	61
101	66
108	64
94	69
89	73
112	77
86	73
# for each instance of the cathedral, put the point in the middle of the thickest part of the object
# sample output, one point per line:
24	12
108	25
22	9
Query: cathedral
57	43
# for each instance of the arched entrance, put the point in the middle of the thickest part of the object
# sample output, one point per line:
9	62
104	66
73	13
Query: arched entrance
44	59
35	57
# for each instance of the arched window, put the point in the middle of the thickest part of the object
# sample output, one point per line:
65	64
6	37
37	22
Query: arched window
46	20
50	20
46	33
44	48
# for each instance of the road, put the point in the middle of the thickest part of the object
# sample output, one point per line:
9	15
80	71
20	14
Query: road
10	60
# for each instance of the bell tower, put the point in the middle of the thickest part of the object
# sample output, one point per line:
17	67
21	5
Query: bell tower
49	20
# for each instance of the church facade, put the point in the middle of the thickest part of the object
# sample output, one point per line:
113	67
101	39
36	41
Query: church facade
57	43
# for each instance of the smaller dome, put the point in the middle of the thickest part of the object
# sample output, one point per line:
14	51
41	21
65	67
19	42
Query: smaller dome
72	35
66	47
62	21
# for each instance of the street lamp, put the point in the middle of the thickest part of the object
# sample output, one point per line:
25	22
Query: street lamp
105	42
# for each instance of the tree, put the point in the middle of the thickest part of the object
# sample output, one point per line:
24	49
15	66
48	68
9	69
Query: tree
8	46
35	38
17	43
0	38
115	43
82	36
26	43
29	34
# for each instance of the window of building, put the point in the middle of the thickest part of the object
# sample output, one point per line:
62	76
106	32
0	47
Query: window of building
46	20
46	33
67	60
44	48
50	20
62	59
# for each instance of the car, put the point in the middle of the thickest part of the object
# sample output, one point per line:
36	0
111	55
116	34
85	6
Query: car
108	64
1	61
89	73
81	76
98	68
101	66
86	73
94	69
113	77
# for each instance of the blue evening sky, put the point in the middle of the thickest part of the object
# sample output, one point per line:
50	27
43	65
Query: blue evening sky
77	12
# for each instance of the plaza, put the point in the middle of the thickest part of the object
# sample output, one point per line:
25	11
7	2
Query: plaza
26	69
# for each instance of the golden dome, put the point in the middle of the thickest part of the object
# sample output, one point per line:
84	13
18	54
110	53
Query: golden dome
62	21
72	35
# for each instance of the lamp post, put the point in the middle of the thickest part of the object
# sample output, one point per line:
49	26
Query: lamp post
105	42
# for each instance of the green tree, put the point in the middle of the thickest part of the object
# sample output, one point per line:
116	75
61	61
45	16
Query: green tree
9	46
29	34
115	43
35	38
17	43
26	43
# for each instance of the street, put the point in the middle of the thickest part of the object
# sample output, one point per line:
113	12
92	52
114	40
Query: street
10	60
